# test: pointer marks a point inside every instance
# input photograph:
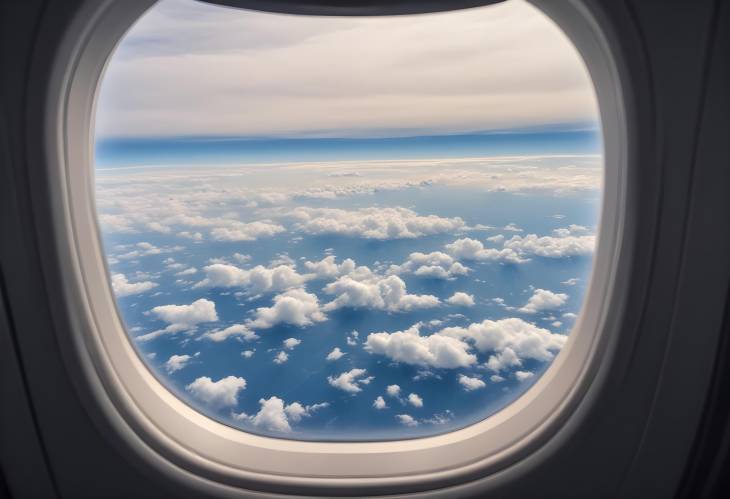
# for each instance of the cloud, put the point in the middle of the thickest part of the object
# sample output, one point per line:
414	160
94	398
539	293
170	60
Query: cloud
503	360
571	230
236	330
274	415
470	384
335	354
393	390
410	347
122	287
379	403
281	357
256	281
247	354
239	231
496	378
291	343
182	317
471	249
542	299
217	394
373	222
552	247
407	420
434	265
523	375
365	289
524	339
296	307
327	268
177	362
415	400
144	248
434	65
350	381
461	299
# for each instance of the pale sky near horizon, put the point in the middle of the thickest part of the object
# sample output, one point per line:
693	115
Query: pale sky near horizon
191	69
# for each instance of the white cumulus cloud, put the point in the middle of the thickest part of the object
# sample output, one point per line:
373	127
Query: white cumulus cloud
365	289
543	299
461	299
239	231
177	362
434	265
552	247
256	280
524	339
328	268
235	331
122	286
410	347
471	249
217	394
415	400
470	384
373	223
407	420
350	381
182	317
379	403
335	354
275	415
295	306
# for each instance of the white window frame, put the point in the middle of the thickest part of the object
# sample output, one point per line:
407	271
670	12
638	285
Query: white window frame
166	433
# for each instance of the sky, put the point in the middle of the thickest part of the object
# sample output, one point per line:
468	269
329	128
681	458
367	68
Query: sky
347	228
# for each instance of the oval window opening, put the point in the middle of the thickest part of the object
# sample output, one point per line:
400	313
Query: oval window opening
348	229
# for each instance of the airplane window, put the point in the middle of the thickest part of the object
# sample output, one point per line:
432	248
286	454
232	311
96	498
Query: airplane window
342	228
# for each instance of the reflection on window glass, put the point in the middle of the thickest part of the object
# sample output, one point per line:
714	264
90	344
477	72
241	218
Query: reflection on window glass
348	228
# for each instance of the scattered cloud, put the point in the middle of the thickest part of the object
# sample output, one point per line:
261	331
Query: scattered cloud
122	287
235	331
470	384
291	343
328	268
350	381
181	317
393	390
409	347
296	307
523	375
239	231
407	420
365	289
543	299
255	281
471	249
461	299
217	394
434	265
177	362
281	358
335	354
551	247
275	415
379	403
509	336
373	223
415	400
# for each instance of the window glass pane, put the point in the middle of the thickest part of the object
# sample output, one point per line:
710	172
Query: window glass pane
348	228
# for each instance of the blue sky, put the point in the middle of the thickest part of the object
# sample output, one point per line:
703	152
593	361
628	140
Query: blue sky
311	237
